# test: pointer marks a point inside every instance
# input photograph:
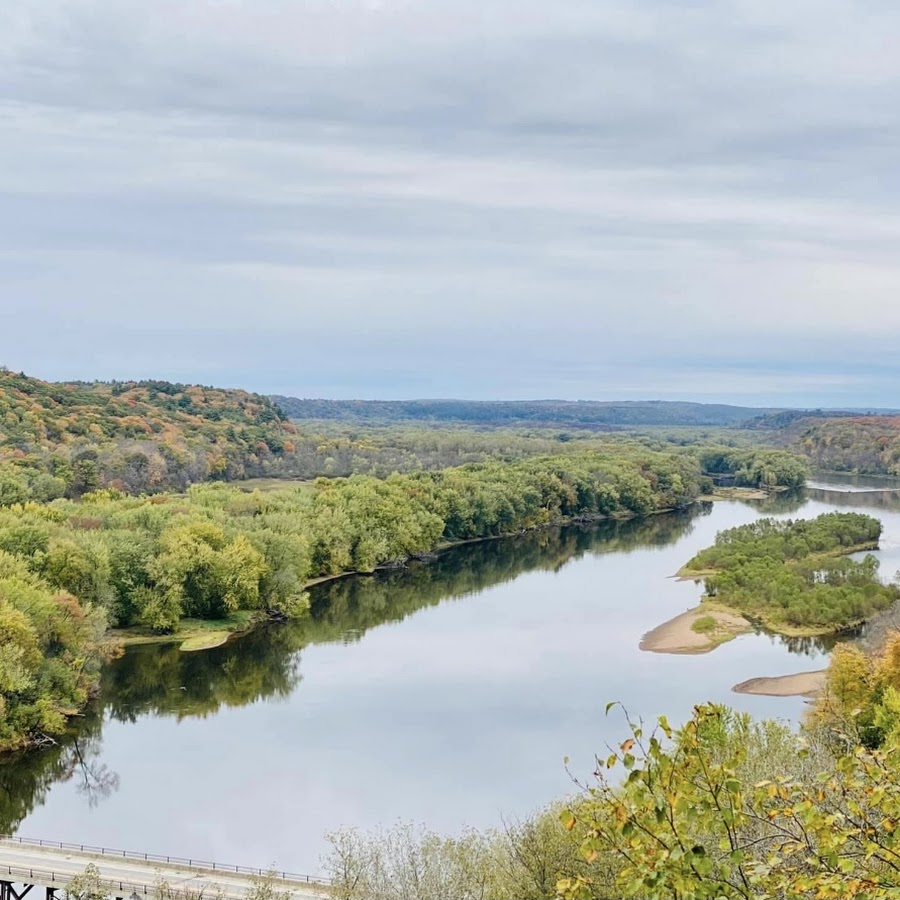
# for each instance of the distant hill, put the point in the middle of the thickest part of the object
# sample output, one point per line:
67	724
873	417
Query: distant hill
785	418
587	414
136	436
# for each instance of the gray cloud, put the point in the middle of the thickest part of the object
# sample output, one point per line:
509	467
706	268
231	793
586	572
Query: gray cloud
425	197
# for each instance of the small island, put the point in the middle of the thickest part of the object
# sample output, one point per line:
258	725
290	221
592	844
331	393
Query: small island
796	577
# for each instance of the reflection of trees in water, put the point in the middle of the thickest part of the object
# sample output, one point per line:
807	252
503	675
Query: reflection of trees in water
163	680
889	501
817	644
780	503
265	663
25	778
787	502
345	609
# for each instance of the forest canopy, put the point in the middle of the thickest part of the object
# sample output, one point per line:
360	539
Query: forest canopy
755	468
796	574
69	439
545	413
218	550
866	445
51	647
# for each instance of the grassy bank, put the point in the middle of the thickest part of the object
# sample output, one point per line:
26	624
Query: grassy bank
197	633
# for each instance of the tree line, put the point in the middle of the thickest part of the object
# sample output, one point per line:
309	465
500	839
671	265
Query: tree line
595	414
216	551
69	439
70	568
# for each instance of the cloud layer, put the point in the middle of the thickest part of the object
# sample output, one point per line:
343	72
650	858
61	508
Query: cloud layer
451	197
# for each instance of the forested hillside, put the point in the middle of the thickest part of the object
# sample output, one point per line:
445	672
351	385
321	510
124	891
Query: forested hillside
588	414
66	439
835	441
786	417
869	445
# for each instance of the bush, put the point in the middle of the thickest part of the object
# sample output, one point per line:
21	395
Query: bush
704	625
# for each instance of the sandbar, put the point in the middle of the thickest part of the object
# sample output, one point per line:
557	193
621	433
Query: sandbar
803	684
678	635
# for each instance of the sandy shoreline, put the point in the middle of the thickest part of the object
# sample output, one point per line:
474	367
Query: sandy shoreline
678	634
803	684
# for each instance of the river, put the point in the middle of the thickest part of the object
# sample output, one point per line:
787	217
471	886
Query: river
447	693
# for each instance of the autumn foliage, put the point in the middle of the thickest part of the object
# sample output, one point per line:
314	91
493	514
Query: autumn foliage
68	439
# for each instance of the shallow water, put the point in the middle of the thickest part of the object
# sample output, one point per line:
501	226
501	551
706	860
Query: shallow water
446	694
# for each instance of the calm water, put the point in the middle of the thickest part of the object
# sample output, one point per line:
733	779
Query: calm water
447	694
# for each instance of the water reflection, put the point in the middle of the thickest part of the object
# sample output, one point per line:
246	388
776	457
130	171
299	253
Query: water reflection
26	778
493	691
845	481
816	645
345	609
163	681
783	503
888	500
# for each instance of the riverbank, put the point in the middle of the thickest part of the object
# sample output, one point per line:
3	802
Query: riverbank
203	634
195	634
741	493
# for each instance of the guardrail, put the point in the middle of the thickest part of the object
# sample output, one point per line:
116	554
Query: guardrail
36	876
202	865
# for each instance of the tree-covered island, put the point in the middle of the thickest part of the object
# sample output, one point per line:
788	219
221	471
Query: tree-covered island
796	577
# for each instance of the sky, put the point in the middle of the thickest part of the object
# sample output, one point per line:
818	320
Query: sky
597	199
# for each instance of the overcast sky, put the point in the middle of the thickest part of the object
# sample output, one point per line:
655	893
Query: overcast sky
469	198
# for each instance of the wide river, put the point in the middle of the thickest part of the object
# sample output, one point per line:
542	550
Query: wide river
447	694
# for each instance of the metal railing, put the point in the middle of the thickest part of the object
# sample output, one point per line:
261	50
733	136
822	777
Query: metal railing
25	875
137	856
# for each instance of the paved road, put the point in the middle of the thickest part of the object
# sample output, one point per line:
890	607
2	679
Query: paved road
130	873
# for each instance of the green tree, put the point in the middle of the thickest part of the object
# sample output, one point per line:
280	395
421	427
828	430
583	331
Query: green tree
12	489
685	823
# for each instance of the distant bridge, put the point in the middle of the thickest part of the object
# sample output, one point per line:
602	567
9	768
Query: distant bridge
126	875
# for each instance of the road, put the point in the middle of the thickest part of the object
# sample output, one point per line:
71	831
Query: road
127	873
